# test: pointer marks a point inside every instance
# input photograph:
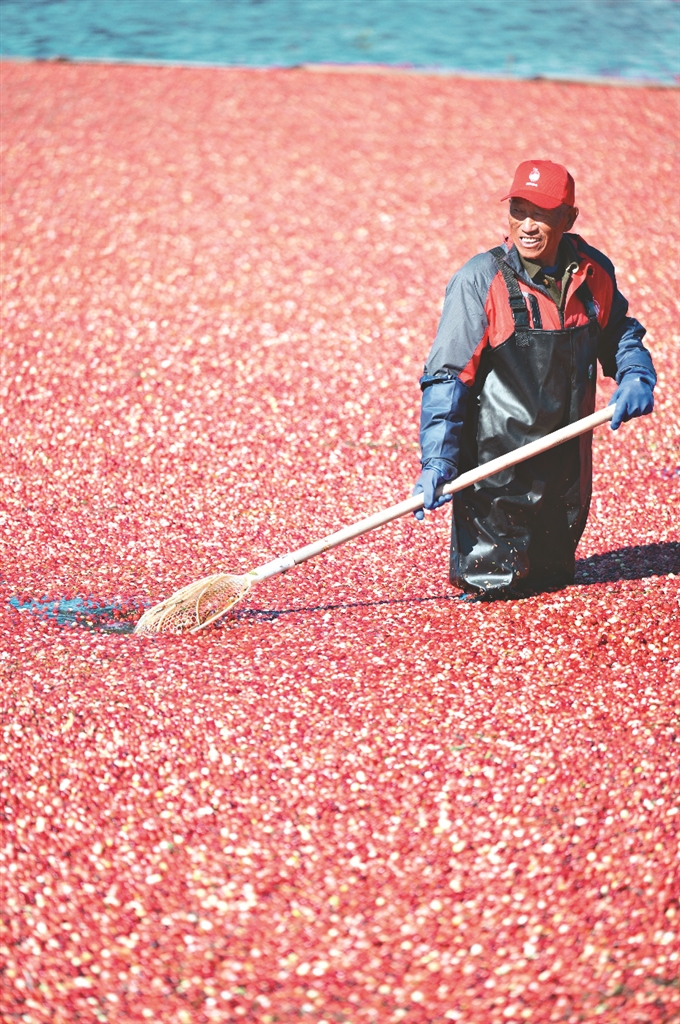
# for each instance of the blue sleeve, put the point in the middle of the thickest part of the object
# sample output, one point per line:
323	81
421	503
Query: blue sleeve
624	337
622	343
444	402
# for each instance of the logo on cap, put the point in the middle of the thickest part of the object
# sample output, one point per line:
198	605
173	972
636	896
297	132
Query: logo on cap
534	176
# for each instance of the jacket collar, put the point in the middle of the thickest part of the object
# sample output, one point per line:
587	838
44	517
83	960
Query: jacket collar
512	256
585	267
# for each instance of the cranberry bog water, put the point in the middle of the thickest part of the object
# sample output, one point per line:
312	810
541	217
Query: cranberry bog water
359	799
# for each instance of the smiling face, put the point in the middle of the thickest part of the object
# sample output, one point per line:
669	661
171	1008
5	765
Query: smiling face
537	232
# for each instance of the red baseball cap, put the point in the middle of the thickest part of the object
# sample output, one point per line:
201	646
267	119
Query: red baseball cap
544	183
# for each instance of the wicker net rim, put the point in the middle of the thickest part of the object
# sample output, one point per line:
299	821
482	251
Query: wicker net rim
195	606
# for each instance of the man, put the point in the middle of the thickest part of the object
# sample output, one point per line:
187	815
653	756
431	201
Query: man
515	358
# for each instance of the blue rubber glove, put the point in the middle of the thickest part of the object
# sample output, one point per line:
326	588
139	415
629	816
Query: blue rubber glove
633	397
436	472
442	416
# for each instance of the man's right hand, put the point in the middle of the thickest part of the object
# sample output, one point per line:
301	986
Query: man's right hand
434	474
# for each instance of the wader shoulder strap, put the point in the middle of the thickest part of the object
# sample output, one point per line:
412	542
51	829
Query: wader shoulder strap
518	306
586	296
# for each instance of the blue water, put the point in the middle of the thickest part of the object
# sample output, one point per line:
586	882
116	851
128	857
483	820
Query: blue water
88	613
562	38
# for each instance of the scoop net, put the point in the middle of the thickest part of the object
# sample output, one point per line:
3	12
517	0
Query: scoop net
196	606
199	604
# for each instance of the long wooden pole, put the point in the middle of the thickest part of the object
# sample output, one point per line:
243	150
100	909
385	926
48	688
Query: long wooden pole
387	515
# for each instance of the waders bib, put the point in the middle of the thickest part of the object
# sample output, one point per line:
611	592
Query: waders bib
520	528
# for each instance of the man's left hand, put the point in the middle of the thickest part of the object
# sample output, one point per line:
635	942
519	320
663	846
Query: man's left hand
433	476
633	397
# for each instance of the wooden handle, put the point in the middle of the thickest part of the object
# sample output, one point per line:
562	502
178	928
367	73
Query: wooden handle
527	451
387	515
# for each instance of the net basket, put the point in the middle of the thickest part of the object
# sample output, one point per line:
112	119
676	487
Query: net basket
194	607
